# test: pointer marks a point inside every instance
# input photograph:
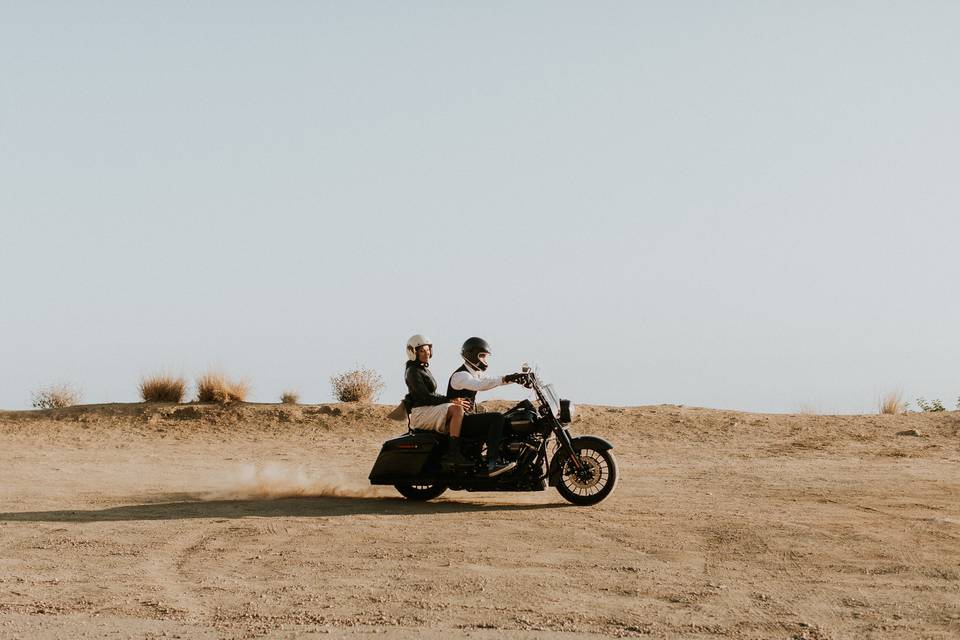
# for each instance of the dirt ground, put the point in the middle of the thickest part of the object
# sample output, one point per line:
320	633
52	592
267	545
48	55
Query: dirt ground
246	521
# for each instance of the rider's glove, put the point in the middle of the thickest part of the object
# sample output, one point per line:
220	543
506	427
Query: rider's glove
515	377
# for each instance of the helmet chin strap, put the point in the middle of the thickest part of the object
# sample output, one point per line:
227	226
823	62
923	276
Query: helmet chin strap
479	366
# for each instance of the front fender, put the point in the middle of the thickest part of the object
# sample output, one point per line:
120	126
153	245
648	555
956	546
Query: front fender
592	442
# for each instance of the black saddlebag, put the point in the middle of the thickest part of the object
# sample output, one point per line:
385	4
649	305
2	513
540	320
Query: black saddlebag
402	459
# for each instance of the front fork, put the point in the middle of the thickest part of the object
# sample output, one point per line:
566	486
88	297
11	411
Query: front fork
566	444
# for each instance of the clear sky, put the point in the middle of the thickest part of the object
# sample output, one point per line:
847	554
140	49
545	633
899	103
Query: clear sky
746	205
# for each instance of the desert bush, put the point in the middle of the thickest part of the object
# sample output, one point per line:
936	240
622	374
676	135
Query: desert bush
290	397
930	407
55	396
163	387
215	387
893	403
358	385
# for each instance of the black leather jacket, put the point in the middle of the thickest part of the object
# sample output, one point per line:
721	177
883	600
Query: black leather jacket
421	387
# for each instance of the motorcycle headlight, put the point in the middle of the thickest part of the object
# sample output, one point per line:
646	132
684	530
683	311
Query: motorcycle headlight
568	412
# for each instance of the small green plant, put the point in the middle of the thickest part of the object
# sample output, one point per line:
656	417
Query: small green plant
358	385
55	396
933	406
290	397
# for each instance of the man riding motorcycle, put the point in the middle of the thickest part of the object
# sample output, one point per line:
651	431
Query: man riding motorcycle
464	385
430	411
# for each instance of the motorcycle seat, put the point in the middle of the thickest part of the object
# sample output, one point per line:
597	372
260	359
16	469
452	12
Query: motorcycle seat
439	437
430	431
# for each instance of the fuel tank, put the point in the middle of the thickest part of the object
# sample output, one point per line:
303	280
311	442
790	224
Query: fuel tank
522	422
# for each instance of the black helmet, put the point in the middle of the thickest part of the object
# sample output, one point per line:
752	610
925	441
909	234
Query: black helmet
471	351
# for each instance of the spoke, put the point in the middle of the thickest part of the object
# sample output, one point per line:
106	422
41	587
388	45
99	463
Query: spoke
598	469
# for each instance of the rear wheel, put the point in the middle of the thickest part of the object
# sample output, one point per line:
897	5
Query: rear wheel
421	492
594	481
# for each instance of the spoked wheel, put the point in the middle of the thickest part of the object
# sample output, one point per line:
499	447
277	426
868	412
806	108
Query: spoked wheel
594	481
421	492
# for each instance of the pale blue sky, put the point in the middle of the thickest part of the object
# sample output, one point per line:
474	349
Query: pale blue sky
745	205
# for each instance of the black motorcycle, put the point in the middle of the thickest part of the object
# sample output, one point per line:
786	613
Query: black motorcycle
535	436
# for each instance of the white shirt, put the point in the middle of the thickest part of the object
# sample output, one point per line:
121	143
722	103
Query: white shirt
473	380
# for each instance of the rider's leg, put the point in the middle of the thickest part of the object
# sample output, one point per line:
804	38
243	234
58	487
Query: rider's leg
490	427
454	420
494	436
486	426
454	428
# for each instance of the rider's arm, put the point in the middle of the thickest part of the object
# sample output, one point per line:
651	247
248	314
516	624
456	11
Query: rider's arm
463	380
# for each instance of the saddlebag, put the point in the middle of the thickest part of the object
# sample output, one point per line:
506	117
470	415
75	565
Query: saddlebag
402	459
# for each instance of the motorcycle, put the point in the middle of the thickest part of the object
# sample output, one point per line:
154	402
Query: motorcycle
536	436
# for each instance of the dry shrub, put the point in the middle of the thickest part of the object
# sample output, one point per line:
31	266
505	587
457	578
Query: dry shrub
215	387
358	385
163	387
290	397
55	396
892	403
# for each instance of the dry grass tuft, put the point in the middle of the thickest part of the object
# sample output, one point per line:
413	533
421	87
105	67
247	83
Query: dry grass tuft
56	396
358	385
290	397
215	387
892	403
163	387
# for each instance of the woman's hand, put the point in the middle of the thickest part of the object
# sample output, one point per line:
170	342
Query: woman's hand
463	402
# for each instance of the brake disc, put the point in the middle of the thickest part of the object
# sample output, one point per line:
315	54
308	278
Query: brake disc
586	477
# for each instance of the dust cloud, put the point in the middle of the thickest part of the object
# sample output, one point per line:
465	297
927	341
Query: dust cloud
278	480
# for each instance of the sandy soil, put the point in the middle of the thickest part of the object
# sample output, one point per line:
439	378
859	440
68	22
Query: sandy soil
257	520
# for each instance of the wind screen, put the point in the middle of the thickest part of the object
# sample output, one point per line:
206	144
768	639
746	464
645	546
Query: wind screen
553	400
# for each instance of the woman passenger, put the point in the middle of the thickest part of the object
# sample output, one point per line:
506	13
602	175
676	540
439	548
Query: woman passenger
428	409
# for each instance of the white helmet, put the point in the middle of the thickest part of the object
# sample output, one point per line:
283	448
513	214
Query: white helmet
414	343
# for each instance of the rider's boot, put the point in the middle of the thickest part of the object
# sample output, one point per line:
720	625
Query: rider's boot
455	458
495	467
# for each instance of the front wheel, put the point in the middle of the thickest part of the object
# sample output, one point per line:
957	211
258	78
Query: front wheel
596	479
421	492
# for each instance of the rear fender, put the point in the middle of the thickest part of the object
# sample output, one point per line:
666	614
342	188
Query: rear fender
582	442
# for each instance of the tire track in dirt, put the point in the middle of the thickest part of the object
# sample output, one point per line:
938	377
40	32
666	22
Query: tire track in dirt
165	570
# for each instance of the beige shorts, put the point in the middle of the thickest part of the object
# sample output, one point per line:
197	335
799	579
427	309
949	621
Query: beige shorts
433	418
